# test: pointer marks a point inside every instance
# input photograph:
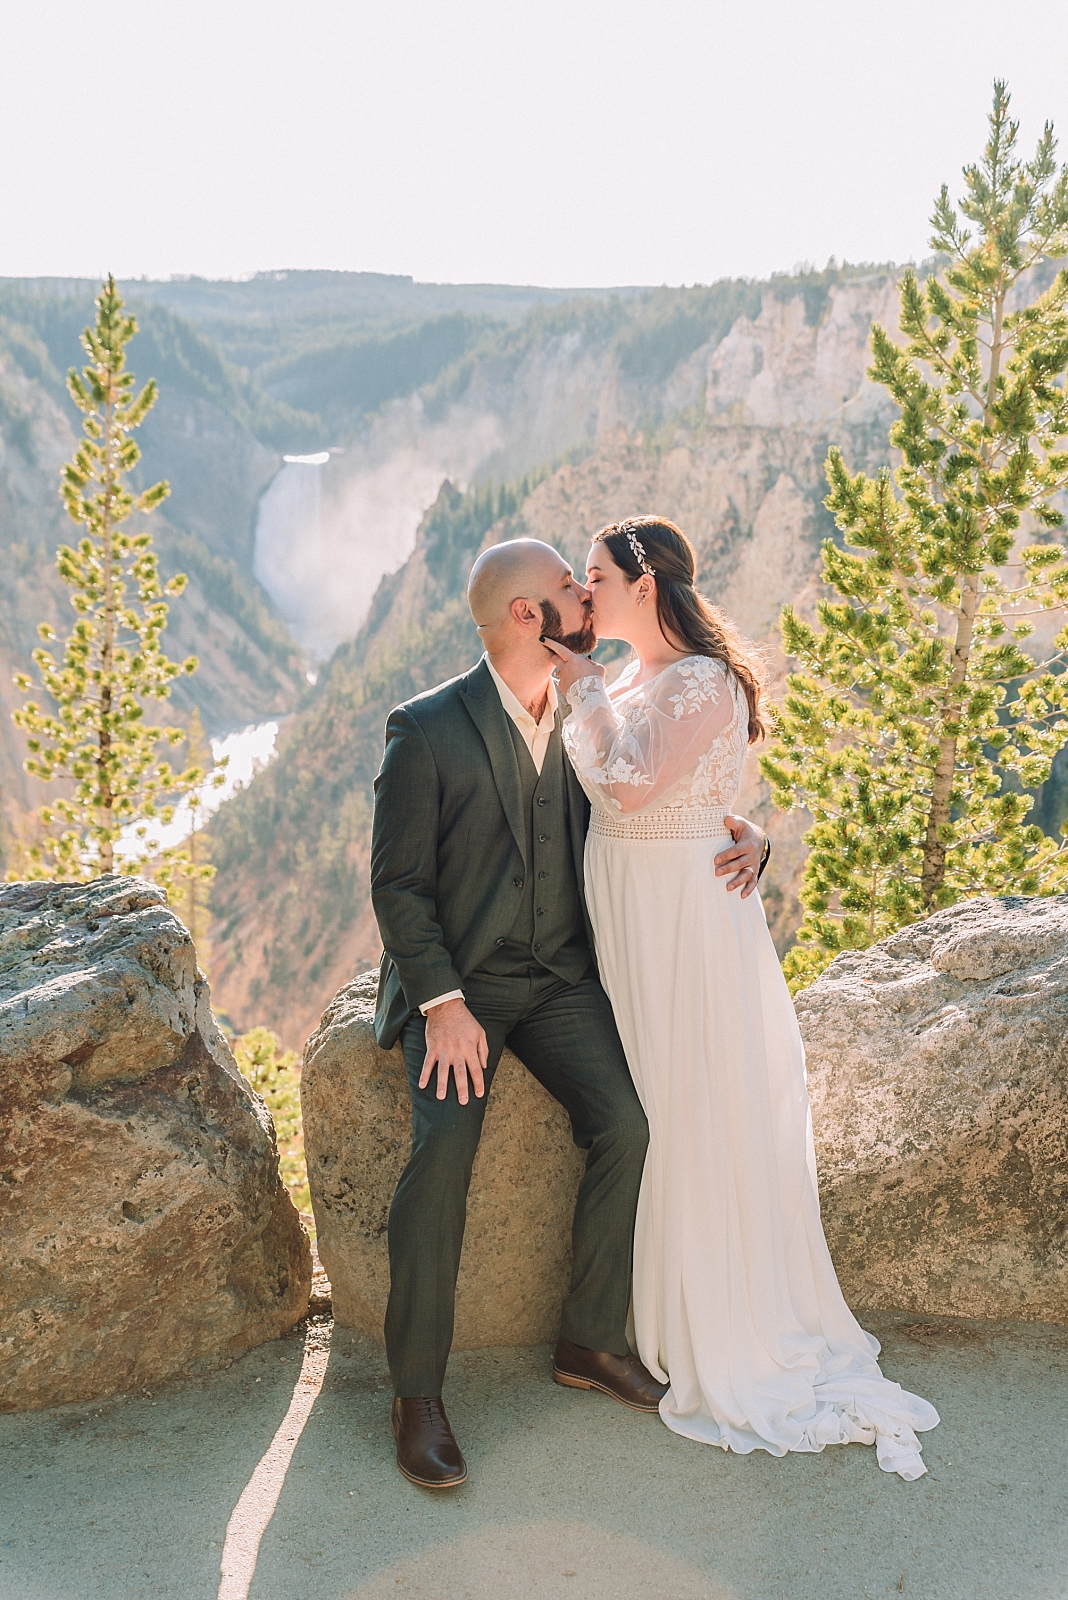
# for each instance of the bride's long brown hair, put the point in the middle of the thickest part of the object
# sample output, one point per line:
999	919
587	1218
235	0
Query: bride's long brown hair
684	614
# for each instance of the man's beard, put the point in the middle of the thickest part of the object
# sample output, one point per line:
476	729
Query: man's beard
581	642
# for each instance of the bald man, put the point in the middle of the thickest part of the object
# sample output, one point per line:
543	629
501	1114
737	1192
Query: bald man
476	879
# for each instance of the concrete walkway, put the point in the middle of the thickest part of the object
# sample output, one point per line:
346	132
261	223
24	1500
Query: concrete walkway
569	1496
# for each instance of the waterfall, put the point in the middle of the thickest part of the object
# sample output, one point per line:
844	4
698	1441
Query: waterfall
291	558
328	530
330	526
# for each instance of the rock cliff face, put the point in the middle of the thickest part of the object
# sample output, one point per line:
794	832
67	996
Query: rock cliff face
788	371
516	1261
144	1230
938	1071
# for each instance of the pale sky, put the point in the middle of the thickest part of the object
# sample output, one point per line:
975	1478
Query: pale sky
559	142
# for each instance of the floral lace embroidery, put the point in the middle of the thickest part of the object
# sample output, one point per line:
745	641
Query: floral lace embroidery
621	771
701	682
717	776
711	782
584	690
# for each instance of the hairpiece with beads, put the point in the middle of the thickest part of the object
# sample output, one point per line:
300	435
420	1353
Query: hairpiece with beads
638	550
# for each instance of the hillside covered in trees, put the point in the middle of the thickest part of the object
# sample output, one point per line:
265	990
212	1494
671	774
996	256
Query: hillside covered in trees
713	407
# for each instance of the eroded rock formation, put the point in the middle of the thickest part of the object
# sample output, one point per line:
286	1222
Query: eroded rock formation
357	1134
938	1071
144	1230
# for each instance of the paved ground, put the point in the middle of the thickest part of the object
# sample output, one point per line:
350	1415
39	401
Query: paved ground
569	1496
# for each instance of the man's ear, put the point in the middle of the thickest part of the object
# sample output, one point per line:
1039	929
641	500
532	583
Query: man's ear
524	612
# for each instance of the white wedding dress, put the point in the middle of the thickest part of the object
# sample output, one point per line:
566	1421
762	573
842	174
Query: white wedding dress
736	1302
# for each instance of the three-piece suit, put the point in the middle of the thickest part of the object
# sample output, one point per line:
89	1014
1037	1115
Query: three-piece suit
476	878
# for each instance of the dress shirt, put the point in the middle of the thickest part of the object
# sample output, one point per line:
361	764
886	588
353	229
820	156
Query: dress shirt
536	738
535	734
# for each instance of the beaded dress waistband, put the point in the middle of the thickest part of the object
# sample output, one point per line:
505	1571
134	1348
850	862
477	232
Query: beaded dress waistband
666	822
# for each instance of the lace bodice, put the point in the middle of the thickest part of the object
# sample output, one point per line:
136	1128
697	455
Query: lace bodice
663	759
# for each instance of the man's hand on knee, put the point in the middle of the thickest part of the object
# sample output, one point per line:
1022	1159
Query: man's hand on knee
456	1043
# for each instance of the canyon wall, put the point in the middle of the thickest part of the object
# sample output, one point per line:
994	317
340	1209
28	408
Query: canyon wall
732	449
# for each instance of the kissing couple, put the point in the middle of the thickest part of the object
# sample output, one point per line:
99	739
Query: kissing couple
570	881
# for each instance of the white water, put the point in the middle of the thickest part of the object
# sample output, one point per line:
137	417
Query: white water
325	540
245	753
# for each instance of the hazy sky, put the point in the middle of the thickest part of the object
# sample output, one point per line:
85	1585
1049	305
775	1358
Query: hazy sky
559	142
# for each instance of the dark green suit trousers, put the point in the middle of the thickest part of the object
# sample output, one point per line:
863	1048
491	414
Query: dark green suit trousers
566	1036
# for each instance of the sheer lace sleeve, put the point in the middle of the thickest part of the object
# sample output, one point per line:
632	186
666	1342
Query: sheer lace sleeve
628	755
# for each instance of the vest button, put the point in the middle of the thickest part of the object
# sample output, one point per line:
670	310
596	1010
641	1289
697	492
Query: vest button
498	943
541	911
518	882
543	838
542	800
535	948
543	874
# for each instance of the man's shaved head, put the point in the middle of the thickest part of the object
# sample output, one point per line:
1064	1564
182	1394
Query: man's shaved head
518	569
523	589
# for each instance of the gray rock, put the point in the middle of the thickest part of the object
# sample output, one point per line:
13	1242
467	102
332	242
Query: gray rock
357	1135
937	1071
144	1230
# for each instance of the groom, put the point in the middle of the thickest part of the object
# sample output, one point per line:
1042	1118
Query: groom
476	880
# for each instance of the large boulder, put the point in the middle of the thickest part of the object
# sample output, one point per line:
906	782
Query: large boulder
144	1230
938	1071
516	1260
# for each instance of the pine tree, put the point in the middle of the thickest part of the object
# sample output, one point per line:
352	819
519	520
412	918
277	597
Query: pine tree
97	738
916	719
185	870
274	1073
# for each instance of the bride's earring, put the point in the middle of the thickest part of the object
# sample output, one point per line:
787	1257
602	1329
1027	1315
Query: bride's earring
641	599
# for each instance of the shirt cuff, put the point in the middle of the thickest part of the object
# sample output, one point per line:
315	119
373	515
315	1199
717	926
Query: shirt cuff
440	999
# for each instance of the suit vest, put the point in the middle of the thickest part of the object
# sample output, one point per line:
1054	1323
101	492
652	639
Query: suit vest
549	929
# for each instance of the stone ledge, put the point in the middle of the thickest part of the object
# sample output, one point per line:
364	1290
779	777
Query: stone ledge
938	1073
144	1229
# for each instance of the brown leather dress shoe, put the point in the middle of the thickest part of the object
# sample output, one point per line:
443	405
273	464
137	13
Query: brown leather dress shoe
623	1377
427	1453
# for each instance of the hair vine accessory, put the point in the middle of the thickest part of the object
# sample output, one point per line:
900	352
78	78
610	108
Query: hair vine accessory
638	551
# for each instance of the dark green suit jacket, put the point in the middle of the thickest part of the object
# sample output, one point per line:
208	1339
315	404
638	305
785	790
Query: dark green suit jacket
449	842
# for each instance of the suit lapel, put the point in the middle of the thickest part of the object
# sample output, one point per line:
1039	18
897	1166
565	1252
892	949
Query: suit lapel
483	705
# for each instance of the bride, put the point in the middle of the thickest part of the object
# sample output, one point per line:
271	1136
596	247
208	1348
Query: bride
736	1302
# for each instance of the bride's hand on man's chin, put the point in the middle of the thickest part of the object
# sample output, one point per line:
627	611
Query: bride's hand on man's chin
572	667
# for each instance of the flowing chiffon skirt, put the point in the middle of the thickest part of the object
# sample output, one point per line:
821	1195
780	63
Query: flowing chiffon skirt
736	1301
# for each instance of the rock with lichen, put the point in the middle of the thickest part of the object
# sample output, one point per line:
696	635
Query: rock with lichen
144	1230
938	1073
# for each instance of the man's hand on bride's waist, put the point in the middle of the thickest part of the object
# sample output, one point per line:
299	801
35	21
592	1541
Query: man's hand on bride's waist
743	858
572	667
